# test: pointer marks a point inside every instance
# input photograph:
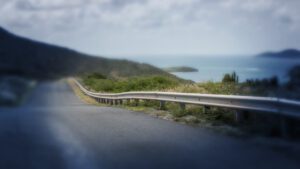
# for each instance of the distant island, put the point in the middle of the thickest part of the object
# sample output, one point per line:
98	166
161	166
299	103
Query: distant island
180	69
286	54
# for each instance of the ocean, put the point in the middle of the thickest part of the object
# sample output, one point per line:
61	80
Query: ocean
214	68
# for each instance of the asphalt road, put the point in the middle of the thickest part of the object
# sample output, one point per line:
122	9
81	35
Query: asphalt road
54	130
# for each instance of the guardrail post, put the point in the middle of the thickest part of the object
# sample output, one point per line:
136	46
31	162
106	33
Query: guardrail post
162	105
136	102
182	106
111	102
128	101
121	101
205	109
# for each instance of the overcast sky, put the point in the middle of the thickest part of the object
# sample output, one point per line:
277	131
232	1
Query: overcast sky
157	27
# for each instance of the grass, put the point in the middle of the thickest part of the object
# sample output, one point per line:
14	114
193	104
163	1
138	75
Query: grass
86	99
207	88
229	88
100	83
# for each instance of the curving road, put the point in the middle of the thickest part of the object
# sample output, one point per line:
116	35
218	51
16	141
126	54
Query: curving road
54	130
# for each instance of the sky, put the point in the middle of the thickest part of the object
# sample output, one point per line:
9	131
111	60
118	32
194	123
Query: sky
124	28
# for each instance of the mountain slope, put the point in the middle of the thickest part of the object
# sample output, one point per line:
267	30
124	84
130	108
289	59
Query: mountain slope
289	53
21	56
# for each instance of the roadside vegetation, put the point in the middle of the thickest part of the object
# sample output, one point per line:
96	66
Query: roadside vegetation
229	85
101	83
211	117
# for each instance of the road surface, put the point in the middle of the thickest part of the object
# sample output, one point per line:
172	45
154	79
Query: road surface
55	129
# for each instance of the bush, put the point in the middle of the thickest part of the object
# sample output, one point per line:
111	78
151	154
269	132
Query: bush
96	76
271	82
219	88
148	83
230	78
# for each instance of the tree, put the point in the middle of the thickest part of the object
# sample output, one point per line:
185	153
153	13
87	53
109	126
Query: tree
230	78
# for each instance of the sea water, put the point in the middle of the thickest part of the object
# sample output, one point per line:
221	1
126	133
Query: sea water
214	68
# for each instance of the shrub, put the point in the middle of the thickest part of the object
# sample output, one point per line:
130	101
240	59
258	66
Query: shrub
271	82
147	83
230	78
96	76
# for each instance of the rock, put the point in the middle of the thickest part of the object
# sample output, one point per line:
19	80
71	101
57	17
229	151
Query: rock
168	117
190	119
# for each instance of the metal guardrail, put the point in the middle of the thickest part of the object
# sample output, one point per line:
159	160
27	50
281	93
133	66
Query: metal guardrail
277	106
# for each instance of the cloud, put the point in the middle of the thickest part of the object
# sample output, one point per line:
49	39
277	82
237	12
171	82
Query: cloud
213	20
139	13
119	12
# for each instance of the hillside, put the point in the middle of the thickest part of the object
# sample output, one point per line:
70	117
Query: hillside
289	53
21	56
